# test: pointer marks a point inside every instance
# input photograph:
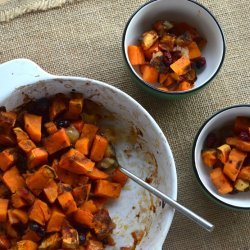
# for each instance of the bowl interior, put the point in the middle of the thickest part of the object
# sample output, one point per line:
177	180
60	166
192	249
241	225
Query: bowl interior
136	209
180	11
215	123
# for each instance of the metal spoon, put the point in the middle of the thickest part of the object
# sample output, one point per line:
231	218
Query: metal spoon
185	211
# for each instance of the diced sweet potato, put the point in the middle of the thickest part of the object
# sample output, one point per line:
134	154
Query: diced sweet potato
83	217
12	218
98	148
194	51
51	191
119	177
183	86
149	73
220	181
209	157
233	165
81	193
13	180
20	134
107	189
89	131
57	141
4	203
58	106
51	127
17	201
26	245
40	179
7	138
67	202
89	206
7	119
33	126
238	143
26	145
181	66
244	173
76	162
7	159
55	221
21	215
223	153
52	241
75	105
153	49
83	145
39	212
97	174
136	55
37	157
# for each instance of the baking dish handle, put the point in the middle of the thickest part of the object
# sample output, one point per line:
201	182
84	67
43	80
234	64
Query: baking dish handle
19	72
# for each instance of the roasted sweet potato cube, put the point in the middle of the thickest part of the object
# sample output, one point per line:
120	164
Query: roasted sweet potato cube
67	202
50	127
99	147
57	141
21	215
58	106
107	189
76	162
37	157
83	217
76	104
119	177
40	179
52	241
233	165
13	180
223	153
7	159
51	191
181	66
194	51
26	245
39	212
220	181
56	221
7	119
209	157
26	145
244	173
33	126
20	134
4	203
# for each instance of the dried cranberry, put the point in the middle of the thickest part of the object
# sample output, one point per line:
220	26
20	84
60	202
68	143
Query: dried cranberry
167	58
244	135
82	238
200	63
62	123
211	140
37	228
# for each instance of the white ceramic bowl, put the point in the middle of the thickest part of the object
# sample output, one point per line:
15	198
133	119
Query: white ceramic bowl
188	11
147	155
217	121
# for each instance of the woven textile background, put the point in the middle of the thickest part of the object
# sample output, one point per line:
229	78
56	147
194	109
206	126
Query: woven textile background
84	39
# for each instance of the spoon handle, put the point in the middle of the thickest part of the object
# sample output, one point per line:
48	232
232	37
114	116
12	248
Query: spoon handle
185	211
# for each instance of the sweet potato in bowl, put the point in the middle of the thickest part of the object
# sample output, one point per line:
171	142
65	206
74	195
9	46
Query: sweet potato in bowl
140	157
232	158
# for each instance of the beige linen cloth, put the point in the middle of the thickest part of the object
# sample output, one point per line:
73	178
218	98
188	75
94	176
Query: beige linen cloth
84	39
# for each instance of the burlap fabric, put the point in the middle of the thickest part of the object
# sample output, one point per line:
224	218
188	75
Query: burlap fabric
84	39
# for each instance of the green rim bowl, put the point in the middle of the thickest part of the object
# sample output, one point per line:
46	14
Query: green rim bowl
226	116
188	11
